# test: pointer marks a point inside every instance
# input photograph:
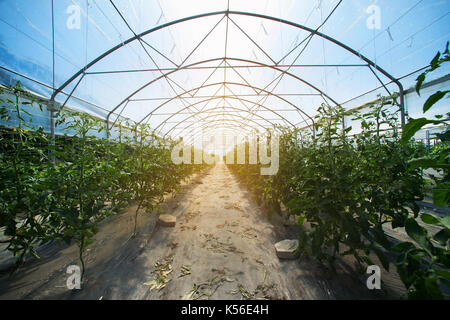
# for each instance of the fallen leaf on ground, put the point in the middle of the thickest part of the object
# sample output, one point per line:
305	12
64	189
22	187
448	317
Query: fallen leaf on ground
185	270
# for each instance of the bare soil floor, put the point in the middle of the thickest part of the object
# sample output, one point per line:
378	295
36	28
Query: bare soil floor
222	247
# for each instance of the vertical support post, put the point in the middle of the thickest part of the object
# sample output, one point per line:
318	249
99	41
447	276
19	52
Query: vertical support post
314	130
108	134
53	107
402	104
52	135
52	100
136	134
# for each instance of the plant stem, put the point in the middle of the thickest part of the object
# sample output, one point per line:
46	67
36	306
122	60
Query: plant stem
80	251
136	216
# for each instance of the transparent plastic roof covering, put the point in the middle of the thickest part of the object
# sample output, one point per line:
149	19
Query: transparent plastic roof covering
183	66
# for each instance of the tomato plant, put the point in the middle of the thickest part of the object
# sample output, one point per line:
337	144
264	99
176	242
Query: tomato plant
343	190
24	201
424	265
90	178
440	158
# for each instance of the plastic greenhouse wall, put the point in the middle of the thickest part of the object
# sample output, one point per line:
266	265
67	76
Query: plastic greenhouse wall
414	107
39	115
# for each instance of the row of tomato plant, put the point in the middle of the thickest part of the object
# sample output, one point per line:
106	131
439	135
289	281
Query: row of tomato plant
61	191
347	188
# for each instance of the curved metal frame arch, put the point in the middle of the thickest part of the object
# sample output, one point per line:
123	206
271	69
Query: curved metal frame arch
232	83
217	59
127	99
211	115
226	13
219	109
192	139
227	97
209	127
213	125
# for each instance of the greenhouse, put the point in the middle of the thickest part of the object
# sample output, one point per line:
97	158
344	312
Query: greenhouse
224	150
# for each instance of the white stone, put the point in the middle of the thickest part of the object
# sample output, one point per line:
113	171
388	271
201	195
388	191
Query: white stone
167	220
286	249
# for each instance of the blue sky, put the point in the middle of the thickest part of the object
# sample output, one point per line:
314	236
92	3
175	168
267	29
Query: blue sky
410	33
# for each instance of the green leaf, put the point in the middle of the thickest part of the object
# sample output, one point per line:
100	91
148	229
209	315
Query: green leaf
432	287
444	136
418	234
446	221
34	253
317	241
381	238
441	197
442	273
420	79
433	99
415	125
427	162
442	237
428	218
435	61
384	261
403	246
300	221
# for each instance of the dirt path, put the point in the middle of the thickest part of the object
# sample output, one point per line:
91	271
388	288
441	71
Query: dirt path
221	248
